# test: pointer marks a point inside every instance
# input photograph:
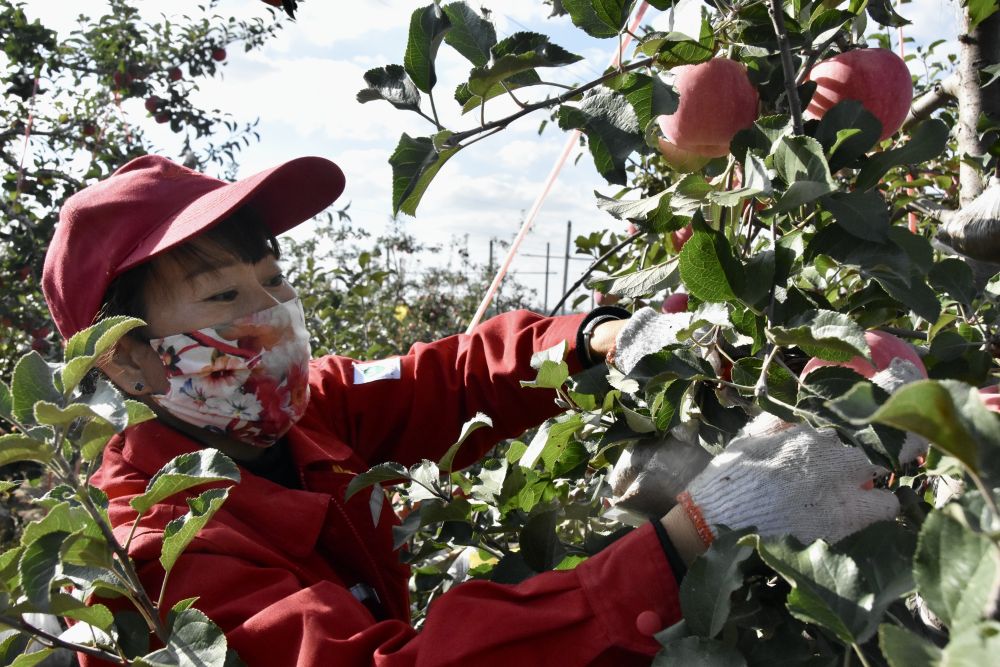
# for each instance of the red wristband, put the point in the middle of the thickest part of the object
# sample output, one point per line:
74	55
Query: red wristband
694	513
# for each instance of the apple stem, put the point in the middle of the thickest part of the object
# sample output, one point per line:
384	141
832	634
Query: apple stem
787	67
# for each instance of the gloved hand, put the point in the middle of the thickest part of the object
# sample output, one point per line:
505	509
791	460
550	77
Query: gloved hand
646	332
648	475
788	479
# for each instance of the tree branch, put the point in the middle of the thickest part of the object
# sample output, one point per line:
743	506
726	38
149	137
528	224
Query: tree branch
53	641
944	91
787	66
586	274
458	137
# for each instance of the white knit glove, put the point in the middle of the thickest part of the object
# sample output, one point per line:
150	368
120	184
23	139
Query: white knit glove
646	332
901	372
648	475
788	479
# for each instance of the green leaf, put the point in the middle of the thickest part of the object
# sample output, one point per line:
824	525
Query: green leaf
540	546
863	214
827	588
68	606
980	10
708	268
111	406
903	648
178	533
638	283
755	182
97	339
599	18
666	407
550	441
676	48
951	415
955	277
800	162
31	382
470	34
6	401
956	570
468	428
612	130
383	472
7	486
84	348
847	131
39	567
32	659
825	334
649	96
428	26
518	53
976	645
93	439
927	141
415	163
390	83
781	384
194	641
183	472
61	518
698	652
551	375
710	581
15	447
470	100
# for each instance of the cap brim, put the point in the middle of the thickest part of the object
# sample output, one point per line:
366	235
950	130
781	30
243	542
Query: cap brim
284	196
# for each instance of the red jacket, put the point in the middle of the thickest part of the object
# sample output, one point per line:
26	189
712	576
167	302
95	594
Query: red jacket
274	566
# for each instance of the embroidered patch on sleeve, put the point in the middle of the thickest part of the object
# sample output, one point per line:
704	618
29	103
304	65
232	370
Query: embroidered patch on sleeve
370	371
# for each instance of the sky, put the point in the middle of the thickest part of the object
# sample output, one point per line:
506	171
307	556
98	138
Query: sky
302	87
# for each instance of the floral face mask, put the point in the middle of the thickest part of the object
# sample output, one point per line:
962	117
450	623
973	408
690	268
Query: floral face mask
246	379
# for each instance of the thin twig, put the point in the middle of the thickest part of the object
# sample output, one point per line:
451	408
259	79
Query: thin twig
600	260
458	137
52	641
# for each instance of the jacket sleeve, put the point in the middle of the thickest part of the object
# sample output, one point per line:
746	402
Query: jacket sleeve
586	616
443	384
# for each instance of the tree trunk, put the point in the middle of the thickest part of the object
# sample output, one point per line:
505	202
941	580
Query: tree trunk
979	47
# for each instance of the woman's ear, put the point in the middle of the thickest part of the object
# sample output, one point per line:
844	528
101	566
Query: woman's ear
135	368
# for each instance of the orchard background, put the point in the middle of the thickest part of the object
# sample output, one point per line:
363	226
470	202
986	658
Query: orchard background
802	233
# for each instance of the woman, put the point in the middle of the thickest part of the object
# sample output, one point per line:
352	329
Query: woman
293	573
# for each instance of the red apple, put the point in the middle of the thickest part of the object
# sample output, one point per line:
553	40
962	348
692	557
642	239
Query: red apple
717	101
877	78
680	237
152	102
884	347
602	299
219	54
162	117
991	397
88	129
174	74
632	230
121	79
675	303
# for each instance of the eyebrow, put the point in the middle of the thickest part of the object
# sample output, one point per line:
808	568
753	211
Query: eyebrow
207	268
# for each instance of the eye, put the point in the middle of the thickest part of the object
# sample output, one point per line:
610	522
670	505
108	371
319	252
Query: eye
228	295
275	281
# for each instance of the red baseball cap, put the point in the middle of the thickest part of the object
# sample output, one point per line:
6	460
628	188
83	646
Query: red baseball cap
151	205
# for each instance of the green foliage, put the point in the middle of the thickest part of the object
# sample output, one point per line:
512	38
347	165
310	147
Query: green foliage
798	247
59	422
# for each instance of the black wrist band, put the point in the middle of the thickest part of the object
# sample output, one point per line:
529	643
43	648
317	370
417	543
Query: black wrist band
676	562
594	318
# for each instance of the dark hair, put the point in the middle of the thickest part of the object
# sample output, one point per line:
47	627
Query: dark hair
243	235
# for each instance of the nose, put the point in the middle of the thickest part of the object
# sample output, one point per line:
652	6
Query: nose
260	299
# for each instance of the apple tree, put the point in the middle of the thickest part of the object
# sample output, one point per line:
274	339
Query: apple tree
780	167
63	125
